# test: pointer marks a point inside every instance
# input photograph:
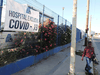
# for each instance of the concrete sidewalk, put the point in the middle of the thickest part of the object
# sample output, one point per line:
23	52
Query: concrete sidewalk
57	64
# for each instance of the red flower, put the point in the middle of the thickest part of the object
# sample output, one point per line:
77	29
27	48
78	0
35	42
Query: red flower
45	39
46	28
36	50
23	49
20	51
21	41
15	39
45	34
51	45
49	33
33	32
31	47
27	53
16	43
46	50
36	46
46	46
49	27
43	48
55	44
43	31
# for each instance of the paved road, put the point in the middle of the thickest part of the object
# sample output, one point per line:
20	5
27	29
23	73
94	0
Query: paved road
96	44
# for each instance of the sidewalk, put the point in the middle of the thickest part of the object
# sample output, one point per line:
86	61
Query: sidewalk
57	64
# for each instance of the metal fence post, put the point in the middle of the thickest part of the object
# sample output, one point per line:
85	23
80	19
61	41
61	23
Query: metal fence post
42	21
65	25
42	24
1	3
57	31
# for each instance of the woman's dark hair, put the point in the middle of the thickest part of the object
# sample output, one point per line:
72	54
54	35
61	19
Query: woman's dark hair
89	42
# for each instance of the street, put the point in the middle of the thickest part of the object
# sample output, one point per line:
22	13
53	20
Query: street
96	44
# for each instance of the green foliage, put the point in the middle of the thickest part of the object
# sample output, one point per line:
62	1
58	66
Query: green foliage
66	37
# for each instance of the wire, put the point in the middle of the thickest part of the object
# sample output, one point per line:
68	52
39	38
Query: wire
94	7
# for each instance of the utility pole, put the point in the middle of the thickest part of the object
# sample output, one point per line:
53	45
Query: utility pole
73	39
90	27
62	14
87	18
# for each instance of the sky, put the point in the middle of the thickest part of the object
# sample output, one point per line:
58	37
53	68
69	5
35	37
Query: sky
56	6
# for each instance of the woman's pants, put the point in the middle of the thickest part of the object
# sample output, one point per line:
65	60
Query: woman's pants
88	62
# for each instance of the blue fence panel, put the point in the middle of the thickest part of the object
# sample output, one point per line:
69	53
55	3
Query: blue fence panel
44	55
57	32
25	62
1	2
38	58
17	66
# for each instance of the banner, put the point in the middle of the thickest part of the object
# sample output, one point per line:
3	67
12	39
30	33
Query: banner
20	17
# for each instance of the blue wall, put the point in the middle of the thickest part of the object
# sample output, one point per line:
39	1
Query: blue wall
78	33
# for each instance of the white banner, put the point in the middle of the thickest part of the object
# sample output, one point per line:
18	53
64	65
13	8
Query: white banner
18	20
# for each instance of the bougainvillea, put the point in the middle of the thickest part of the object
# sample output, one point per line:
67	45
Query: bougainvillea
48	40
30	43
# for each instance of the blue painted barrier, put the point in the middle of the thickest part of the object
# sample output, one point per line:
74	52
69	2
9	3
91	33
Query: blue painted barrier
55	50
45	55
38	58
51	52
25	62
48	53
17	66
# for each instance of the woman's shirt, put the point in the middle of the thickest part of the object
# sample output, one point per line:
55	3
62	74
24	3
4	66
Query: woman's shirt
88	52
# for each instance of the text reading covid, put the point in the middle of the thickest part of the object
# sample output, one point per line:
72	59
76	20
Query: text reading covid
20	25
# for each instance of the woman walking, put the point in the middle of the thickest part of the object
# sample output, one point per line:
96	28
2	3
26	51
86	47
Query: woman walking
88	53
